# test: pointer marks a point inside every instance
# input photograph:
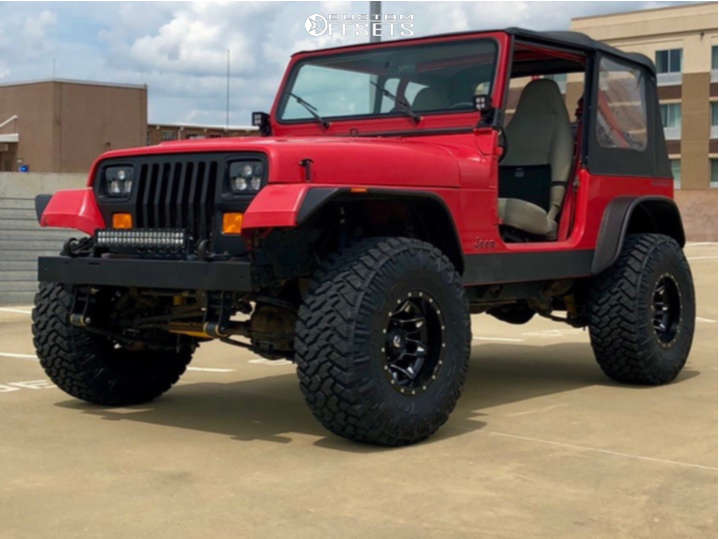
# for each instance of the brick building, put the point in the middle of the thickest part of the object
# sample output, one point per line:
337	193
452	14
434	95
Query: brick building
62	125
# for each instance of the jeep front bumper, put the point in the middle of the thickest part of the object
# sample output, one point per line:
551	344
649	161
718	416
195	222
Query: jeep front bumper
147	273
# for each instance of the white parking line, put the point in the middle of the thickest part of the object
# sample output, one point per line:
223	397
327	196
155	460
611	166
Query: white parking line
693	243
31	357
503	339
26	384
19	356
270	362
702	258
11	310
604	451
708	320
537	410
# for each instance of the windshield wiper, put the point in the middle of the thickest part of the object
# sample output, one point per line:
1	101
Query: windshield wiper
402	104
312	110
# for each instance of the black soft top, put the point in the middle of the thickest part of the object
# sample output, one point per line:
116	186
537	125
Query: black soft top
578	40
574	40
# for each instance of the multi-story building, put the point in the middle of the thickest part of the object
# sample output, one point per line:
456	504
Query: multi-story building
682	41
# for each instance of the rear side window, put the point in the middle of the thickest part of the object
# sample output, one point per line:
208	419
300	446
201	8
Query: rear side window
621	107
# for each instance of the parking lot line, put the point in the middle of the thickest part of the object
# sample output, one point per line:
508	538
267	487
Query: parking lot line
31	357
502	339
19	356
14	310
702	258
209	369
604	451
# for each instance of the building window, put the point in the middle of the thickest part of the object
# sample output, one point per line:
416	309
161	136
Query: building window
168	134
713	114
676	172
671	114
713	172
669	61
622	115
714	57
669	67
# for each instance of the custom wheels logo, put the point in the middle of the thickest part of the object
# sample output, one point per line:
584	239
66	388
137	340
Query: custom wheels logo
387	25
316	25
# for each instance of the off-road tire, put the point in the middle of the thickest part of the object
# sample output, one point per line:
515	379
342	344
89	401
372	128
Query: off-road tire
88	366
625	343
339	341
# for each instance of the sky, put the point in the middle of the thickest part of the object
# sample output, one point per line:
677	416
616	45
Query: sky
179	49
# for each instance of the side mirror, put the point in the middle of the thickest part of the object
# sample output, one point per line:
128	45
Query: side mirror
483	103
262	120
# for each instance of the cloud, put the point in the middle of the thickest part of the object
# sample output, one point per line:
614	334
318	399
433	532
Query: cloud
179	49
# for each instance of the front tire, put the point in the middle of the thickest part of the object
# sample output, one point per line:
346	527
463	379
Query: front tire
641	312
382	341
90	366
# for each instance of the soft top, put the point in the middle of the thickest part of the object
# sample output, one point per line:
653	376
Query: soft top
564	38
579	40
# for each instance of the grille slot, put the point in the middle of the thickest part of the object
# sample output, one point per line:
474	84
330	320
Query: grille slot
177	194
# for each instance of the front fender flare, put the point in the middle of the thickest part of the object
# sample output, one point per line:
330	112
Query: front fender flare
276	206
71	208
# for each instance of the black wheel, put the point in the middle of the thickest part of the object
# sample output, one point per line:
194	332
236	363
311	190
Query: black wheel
641	312
93	368
382	341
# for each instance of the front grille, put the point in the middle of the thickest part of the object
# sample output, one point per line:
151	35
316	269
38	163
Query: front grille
177	193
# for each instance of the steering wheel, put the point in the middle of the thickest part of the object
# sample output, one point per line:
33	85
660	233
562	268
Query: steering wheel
504	144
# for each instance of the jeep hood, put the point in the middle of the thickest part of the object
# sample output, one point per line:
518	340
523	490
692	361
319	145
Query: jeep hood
388	161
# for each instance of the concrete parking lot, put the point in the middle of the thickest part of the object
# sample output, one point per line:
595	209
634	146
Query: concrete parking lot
541	444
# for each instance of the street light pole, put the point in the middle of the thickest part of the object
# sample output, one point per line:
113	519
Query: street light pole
227	102
375	16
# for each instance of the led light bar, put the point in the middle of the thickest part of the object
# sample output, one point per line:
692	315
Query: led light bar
147	239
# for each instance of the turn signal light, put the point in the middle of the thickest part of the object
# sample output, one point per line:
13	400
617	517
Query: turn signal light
232	223
121	220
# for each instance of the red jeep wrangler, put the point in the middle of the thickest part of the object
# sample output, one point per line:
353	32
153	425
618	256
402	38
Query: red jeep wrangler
397	188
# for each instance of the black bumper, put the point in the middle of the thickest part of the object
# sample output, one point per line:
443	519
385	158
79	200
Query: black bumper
145	273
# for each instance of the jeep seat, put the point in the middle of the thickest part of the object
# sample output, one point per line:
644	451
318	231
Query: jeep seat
539	133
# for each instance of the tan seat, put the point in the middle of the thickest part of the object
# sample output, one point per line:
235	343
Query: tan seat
539	133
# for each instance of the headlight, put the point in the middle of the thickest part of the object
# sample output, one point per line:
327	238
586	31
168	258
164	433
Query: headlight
246	176
118	181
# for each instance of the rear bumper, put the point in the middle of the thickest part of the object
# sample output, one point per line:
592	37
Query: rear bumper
145	273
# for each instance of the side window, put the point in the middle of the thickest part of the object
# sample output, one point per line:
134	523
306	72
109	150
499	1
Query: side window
621	107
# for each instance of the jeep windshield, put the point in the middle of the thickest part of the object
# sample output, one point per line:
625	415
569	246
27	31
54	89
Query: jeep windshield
408	80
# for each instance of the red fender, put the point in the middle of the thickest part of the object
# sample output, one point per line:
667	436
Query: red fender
276	205
73	208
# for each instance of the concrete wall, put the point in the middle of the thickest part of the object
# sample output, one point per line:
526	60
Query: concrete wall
22	240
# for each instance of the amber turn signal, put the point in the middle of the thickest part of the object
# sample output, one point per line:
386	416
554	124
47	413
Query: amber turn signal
232	223
121	220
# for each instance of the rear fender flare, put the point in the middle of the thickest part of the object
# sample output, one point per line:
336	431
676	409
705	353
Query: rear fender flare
627	215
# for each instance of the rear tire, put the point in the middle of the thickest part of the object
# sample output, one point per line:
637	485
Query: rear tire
382	341
641	312
89	366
